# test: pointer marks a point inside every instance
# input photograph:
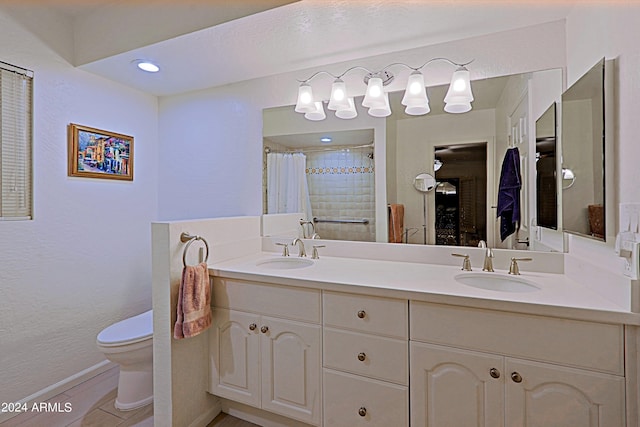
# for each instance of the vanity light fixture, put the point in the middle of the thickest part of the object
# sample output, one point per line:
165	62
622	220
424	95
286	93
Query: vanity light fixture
458	98
146	65
437	164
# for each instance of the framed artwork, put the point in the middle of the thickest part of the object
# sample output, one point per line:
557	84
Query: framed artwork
95	153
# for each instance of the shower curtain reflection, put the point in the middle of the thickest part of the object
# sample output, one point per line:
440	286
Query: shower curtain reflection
287	188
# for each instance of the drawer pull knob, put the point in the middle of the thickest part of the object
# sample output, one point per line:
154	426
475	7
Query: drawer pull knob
361	314
494	373
362	411
516	377
264	329
252	327
361	357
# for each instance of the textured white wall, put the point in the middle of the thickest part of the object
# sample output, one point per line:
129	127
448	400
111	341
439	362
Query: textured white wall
84	262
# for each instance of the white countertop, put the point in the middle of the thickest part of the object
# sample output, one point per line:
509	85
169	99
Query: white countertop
558	296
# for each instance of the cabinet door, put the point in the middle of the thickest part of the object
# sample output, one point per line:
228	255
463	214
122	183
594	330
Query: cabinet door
291	369
452	387
235	356
542	395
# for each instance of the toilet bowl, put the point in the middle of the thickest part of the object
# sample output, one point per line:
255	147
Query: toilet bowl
129	343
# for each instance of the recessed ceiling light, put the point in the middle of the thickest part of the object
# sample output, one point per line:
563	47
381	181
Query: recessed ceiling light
325	140
147	66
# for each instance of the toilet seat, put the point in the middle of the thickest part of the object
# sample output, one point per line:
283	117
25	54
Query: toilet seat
128	331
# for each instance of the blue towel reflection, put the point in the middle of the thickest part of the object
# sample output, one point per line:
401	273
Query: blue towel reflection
509	193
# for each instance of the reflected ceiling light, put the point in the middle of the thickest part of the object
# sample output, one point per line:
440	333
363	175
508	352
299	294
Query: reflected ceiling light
569	176
348	113
318	112
376	99
382	108
446	188
326	139
146	65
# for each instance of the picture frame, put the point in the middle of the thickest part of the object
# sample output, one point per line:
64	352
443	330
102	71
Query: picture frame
97	153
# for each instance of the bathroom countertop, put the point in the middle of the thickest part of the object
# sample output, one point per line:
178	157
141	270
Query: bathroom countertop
558	295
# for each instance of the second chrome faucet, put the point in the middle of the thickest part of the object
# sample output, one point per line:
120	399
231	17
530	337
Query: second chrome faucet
299	241
487	265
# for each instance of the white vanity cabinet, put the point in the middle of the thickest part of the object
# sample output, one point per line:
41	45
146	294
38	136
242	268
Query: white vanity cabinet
265	348
366	361
474	367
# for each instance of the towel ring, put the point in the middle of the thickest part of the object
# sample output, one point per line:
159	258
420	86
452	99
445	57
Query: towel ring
189	239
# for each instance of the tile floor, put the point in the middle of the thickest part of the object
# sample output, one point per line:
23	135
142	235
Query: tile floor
92	404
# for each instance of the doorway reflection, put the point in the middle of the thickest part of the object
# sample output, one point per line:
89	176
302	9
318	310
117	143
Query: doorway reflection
461	194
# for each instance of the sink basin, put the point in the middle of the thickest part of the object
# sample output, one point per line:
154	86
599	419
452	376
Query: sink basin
284	263
496	282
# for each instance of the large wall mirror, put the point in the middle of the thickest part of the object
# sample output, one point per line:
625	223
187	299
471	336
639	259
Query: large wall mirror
365	167
583	155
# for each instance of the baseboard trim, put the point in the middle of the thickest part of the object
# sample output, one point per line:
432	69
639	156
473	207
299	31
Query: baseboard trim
258	416
61	386
204	419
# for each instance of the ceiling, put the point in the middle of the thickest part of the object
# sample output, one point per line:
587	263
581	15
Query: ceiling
339	139
206	43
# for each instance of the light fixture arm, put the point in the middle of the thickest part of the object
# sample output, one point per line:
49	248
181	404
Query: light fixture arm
370	72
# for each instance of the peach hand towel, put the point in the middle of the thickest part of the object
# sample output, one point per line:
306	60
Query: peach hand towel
396	222
194	302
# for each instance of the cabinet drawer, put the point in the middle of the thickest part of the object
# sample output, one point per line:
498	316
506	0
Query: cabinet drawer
376	315
590	345
352	401
383	358
282	301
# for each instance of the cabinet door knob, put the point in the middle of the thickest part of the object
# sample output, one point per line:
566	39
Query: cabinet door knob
361	357
362	411
516	377
252	327
494	373
361	314
264	329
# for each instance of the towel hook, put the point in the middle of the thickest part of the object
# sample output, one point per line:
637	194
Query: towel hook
189	239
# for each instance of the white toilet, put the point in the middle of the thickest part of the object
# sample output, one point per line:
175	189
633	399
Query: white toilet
129	343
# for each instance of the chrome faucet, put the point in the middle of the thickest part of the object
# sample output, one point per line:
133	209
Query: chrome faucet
513	268
488	256
302	252
466	263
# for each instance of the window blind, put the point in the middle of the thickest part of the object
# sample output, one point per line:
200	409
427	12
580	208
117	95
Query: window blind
16	100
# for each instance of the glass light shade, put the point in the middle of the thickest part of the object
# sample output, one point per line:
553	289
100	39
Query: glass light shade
417	110
457	108
459	96
374	97
415	93
381	110
338	99
348	113
317	114
437	164
305	99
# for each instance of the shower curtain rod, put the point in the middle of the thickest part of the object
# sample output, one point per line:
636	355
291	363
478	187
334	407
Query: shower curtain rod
268	149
